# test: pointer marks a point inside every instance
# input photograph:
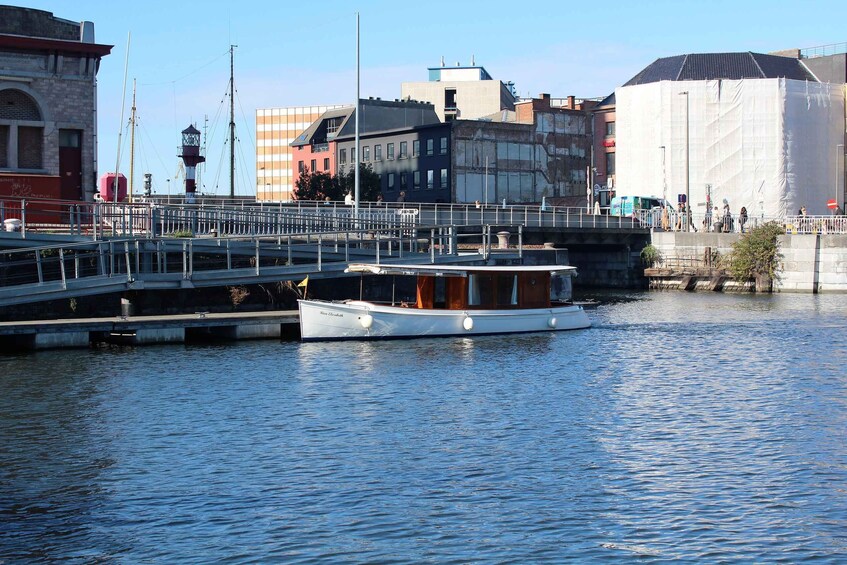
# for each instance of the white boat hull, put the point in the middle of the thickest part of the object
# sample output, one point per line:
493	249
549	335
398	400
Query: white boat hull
355	319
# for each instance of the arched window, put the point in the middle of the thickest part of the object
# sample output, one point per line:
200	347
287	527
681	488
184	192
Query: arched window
21	131
18	106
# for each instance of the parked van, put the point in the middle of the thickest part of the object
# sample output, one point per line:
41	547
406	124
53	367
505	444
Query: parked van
629	205
646	209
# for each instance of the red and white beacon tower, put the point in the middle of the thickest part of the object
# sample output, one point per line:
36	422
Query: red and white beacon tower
191	158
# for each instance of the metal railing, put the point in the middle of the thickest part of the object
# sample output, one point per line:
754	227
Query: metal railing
68	270
709	223
249	219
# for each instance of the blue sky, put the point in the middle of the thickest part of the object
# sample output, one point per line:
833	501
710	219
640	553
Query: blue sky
304	53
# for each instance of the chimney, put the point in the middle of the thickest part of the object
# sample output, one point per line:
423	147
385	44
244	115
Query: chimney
572	102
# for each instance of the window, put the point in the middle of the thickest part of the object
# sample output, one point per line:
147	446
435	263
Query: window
416	148
300	167
443	148
314	165
326	163
366	153
444	178
390	181
333	125
417	184
610	163
430	146
26	143
342	157
430	179
450	99
70	138
610	128
390	151
30	145
507	290
4	146
377	152
403	179
404	149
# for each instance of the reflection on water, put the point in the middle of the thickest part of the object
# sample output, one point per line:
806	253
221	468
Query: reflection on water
684	427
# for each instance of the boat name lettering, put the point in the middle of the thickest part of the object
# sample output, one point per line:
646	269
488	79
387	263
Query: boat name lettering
335	314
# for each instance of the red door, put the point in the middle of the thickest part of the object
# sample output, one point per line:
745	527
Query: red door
70	164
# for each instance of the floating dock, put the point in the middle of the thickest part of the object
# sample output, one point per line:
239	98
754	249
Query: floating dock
146	330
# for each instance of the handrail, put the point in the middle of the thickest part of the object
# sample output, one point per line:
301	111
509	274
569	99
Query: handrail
153	219
26	274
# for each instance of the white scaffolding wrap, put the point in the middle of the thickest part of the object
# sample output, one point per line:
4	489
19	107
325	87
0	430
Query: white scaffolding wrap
767	144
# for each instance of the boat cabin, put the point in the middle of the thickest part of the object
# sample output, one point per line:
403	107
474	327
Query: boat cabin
453	287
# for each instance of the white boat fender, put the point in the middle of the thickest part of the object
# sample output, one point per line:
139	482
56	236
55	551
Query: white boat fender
552	322
467	323
367	321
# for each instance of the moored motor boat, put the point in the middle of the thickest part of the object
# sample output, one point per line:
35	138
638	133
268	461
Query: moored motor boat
450	300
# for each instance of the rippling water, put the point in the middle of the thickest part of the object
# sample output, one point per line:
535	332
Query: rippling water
682	427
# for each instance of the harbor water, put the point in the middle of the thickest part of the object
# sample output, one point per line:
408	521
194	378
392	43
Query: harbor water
680	428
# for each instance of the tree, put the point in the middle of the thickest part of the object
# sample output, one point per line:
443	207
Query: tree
317	186
756	255
369	183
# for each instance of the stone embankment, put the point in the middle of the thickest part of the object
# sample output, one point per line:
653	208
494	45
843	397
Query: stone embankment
692	261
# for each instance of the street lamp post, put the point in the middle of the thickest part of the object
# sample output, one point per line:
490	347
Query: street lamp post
687	164
839	160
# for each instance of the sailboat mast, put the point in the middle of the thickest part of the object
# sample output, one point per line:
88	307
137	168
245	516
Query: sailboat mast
132	143
232	121
115	183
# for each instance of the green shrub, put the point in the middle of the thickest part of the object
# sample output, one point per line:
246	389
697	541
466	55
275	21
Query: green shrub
182	233
756	254
650	255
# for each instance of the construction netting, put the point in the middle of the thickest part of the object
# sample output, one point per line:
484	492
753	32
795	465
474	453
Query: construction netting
770	145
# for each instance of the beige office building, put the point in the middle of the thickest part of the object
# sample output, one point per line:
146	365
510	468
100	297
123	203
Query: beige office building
276	129
461	93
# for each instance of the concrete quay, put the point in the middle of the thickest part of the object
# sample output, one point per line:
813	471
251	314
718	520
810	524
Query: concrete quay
812	263
146	330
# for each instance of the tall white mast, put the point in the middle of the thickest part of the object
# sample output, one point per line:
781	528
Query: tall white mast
115	183
132	143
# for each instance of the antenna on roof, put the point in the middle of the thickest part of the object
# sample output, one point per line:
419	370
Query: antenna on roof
473	59
442	60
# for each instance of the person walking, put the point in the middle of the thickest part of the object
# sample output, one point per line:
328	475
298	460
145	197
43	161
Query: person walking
742	218
402	197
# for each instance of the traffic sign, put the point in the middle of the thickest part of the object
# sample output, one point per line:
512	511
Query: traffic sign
832	203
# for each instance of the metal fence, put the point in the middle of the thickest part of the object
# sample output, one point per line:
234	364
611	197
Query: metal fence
709	223
243	218
76	269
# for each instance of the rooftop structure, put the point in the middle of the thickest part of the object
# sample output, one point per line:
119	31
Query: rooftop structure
461	92
723	66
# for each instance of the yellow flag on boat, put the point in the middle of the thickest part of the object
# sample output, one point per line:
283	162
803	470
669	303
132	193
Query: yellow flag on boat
305	282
